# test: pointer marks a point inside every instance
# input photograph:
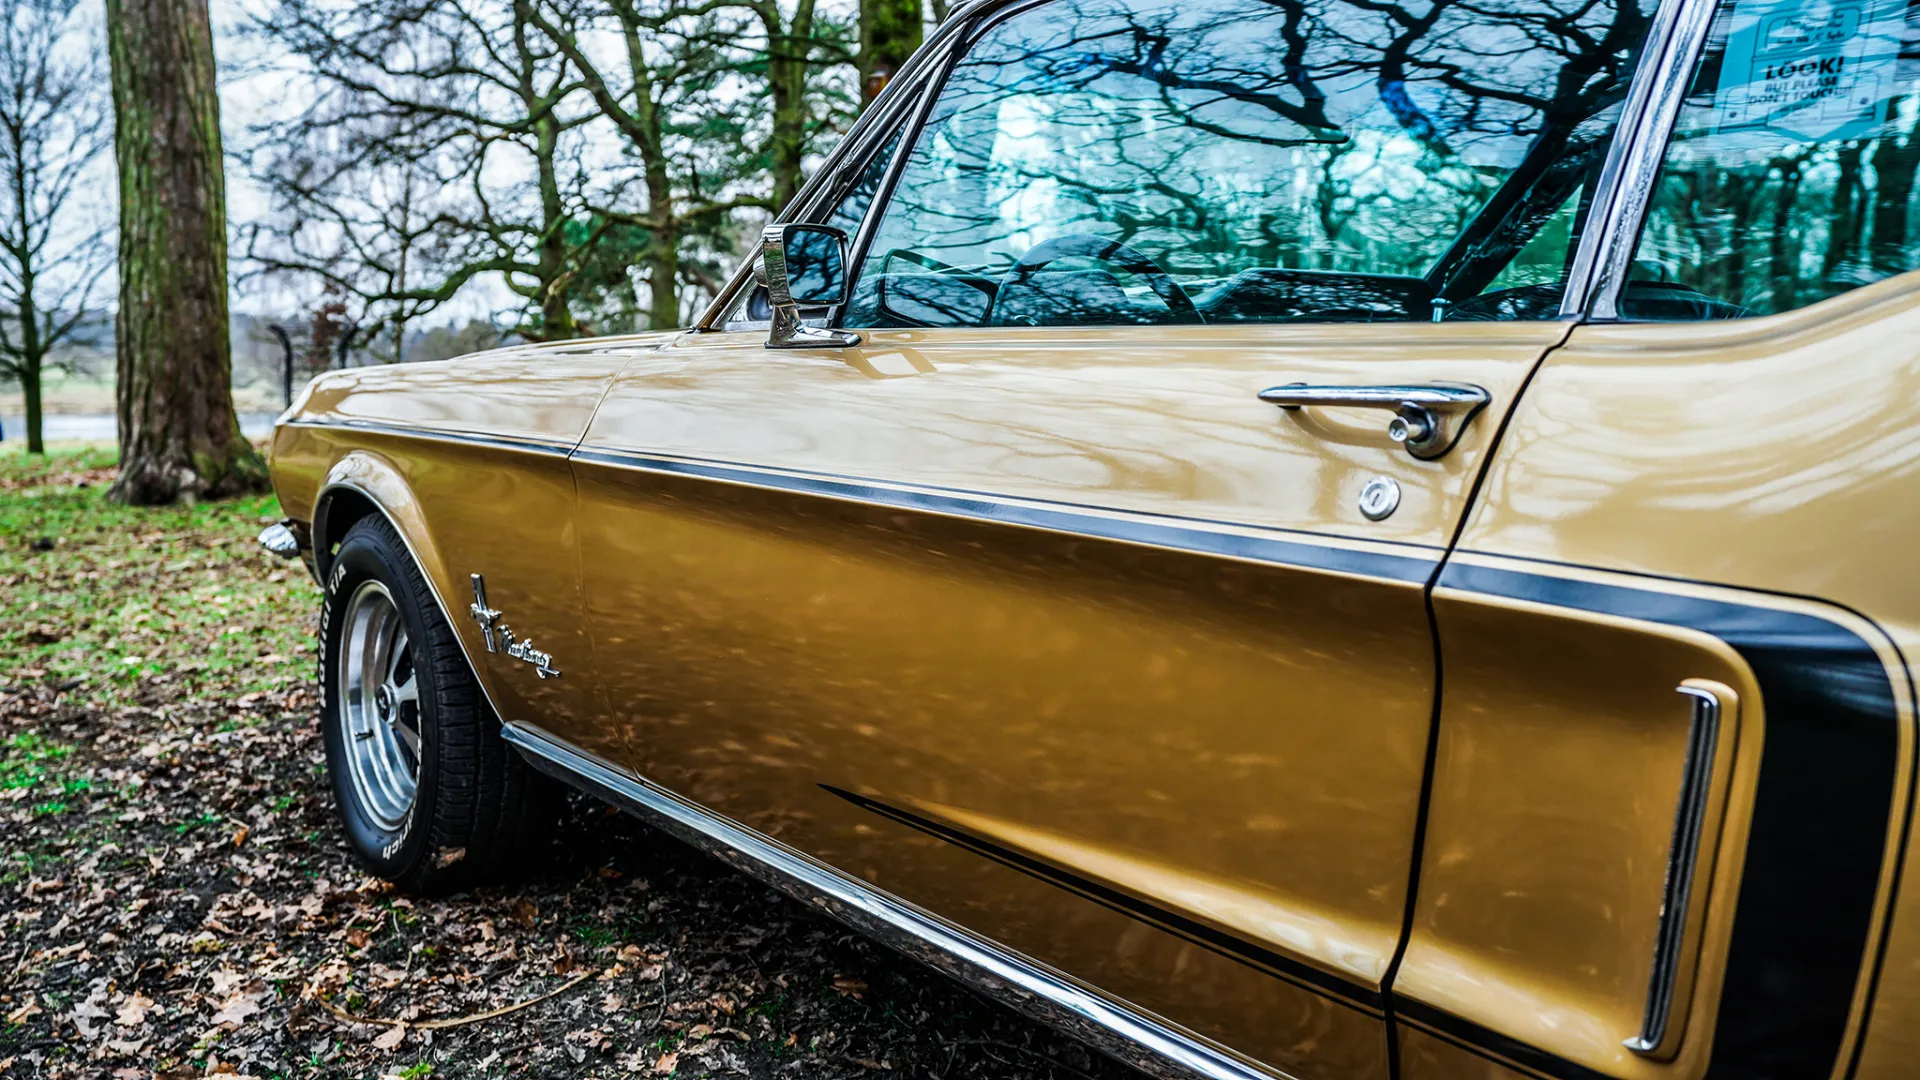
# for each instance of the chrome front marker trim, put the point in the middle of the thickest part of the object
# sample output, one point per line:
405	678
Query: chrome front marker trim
1142	1041
280	540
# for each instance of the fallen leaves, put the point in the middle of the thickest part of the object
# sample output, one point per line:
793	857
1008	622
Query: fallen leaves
133	1011
402	1023
235	1010
194	912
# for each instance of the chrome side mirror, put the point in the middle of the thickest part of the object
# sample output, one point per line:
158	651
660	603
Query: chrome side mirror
803	264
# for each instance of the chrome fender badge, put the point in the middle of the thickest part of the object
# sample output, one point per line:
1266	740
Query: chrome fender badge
499	636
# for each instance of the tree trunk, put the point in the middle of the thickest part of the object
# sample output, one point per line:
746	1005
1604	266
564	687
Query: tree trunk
1843	232
889	32
662	254
787	81
1783	248
663	272
789	50
33	351
32	356
556	308
179	437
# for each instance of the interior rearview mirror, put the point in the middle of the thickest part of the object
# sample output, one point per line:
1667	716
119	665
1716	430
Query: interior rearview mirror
806	265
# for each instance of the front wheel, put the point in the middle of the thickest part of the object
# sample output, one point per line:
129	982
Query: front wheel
431	797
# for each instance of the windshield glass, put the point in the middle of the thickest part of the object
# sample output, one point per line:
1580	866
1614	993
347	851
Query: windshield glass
1138	161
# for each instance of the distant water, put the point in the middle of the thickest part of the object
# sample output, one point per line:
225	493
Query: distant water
100	428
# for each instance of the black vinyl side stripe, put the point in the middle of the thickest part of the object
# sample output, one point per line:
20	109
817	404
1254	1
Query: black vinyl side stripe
1059	517
1208	937
1818	835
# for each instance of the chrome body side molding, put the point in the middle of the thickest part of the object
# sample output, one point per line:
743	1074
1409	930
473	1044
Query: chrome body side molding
1689	820
1140	1040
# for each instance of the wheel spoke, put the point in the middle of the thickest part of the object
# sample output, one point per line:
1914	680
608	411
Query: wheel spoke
379	697
363	641
396	653
407	728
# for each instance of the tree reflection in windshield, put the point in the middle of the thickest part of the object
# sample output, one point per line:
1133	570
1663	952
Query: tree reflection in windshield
1764	210
1269	159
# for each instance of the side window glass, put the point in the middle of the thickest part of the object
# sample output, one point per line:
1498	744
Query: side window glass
1117	162
1790	175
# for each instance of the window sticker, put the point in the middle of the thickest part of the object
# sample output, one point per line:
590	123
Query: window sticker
1811	71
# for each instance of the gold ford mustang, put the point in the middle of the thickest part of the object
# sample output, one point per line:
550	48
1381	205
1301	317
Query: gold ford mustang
1342	540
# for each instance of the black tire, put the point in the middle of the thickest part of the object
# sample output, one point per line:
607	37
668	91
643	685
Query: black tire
479	812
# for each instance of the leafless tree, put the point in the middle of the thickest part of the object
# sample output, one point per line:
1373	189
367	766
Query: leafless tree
550	144
443	144
54	247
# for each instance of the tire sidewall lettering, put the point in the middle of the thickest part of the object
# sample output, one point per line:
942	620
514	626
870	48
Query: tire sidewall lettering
367	554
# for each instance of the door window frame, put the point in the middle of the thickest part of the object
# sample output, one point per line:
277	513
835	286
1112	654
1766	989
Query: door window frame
1659	88
1676	35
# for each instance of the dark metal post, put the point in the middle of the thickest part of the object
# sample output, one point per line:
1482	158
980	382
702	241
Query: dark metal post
286	364
346	344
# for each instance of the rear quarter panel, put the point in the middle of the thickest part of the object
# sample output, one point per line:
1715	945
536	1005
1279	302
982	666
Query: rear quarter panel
1776	456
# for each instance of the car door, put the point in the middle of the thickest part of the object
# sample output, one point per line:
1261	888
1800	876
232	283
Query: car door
1675	745
1045	620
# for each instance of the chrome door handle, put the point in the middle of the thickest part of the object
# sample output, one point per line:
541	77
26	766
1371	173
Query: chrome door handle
1427	419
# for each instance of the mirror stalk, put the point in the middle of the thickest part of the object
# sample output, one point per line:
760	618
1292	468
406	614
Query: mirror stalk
788	332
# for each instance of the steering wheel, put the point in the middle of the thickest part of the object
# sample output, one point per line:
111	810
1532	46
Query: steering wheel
1089	246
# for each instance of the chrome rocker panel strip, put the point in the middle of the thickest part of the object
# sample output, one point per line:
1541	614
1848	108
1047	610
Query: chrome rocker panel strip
1141	1041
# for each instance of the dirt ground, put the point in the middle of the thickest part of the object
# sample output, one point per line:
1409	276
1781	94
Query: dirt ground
176	900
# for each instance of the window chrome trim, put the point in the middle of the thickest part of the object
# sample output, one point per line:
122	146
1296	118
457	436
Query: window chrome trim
1605	255
1136	1038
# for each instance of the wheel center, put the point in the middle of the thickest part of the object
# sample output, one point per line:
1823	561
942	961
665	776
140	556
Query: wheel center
383	702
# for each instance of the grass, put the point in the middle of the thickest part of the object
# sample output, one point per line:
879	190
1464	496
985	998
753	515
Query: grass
96	597
161	780
24	759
